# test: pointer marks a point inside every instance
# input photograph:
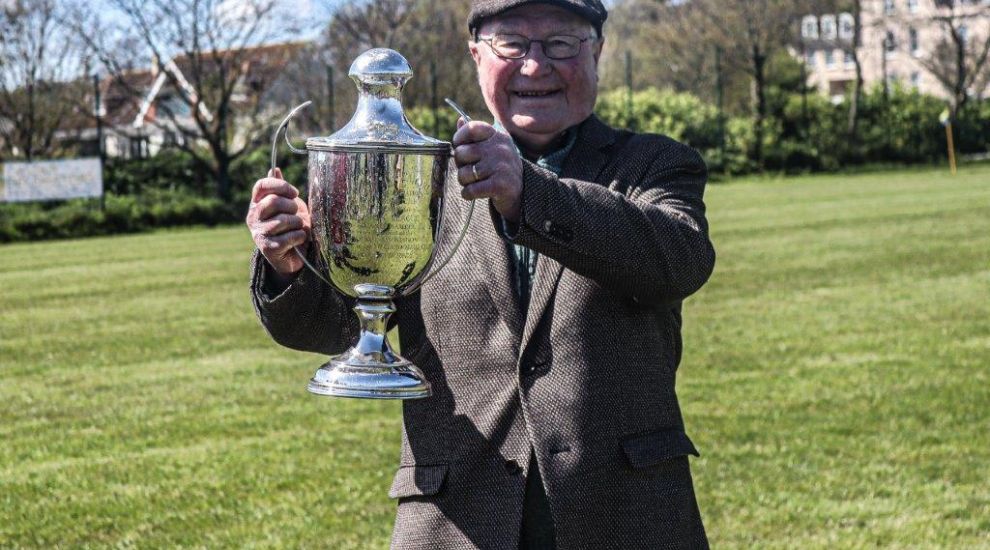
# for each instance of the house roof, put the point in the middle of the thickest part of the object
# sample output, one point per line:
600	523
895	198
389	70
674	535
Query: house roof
257	66
121	107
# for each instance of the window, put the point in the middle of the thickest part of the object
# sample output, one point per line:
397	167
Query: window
809	27
964	34
913	6
138	147
828	27
809	58
847	26
174	104
838	89
916	80
829	58
890	43
849	59
913	38
889	7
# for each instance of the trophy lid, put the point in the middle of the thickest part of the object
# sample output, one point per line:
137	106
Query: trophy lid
379	123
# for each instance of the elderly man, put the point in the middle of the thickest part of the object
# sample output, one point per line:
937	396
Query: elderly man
553	337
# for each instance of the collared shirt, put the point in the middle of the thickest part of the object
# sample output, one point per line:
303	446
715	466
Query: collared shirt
524	259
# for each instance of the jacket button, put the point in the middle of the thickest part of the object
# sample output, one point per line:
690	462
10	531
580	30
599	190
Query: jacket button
530	368
513	467
547	225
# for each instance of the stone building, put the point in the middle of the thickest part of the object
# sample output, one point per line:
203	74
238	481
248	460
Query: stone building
897	39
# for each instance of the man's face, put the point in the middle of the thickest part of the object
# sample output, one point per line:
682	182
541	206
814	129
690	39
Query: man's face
536	98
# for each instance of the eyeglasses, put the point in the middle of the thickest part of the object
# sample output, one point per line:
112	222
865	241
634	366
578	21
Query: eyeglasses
516	46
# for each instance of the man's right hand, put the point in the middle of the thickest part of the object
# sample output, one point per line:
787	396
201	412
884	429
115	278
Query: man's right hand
279	220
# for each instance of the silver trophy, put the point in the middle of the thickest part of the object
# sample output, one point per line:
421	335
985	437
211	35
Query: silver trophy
376	192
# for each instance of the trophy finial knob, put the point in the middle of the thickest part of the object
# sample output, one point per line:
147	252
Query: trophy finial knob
379	122
380	68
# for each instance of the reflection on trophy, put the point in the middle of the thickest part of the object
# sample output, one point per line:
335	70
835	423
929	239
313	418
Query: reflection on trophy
376	201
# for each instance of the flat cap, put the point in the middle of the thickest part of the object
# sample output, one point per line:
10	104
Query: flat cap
592	10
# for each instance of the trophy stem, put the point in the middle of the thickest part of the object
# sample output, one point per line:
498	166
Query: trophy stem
370	368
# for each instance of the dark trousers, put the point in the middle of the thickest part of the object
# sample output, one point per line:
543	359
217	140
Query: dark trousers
537	522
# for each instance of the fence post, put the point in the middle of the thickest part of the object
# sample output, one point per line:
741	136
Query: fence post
629	92
720	103
99	138
434	103
331	99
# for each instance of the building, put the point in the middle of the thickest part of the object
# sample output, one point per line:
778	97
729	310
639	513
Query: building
142	110
897	39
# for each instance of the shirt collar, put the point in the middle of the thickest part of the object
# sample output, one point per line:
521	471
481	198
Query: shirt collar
554	160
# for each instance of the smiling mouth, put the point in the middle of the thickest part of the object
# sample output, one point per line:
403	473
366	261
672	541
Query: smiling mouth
528	94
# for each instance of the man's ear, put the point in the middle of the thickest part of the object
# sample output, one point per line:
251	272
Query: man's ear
598	48
475	54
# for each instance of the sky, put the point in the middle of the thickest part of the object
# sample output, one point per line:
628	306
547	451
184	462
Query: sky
313	14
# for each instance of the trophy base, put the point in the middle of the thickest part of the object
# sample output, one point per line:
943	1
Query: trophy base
385	381
370	369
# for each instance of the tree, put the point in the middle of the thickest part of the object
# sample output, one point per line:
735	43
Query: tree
209	52
430	34
958	57
372	24
856	98
750	32
847	37
665	48
39	64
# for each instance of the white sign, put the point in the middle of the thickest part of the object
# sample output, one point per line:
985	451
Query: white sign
52	179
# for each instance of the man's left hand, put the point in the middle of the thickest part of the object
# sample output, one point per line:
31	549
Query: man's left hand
488	166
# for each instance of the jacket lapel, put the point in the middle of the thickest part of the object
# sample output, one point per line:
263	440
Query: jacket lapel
585	162
492	254
548	273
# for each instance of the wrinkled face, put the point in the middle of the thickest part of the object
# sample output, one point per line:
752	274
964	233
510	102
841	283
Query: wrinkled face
536	98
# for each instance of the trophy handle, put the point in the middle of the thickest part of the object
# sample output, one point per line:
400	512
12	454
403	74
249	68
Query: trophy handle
284	125
283	128
464	229
443	263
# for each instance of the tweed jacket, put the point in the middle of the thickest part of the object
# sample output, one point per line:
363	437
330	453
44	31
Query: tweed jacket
584	377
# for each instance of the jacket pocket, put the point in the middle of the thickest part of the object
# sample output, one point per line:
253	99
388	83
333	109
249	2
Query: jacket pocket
652	448
418	480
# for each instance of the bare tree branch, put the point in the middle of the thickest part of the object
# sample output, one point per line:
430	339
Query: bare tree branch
209	53
958	59
40	62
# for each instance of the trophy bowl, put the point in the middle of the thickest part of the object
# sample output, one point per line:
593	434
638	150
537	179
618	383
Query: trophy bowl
376	192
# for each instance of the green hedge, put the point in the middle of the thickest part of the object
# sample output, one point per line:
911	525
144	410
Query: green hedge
800	134
122	214
174	171
809	133
441	127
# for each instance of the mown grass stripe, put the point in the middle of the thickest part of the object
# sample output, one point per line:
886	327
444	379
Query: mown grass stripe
834	378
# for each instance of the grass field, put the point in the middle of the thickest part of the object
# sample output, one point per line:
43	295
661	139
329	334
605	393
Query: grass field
835	379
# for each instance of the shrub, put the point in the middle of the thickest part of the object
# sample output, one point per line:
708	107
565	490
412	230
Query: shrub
802	134
813	135
174	171
972	128
122	214
441	127
681	116
169	170
252	166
